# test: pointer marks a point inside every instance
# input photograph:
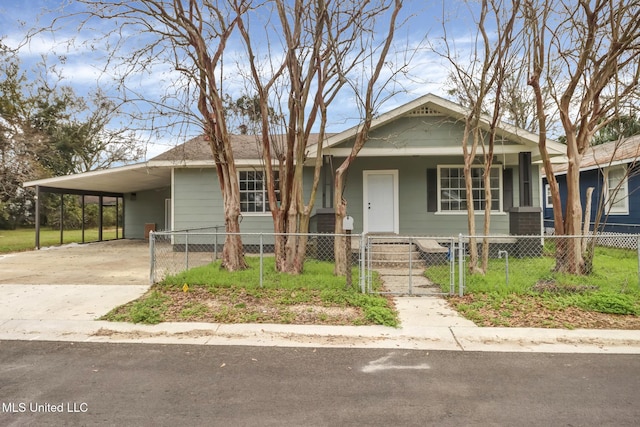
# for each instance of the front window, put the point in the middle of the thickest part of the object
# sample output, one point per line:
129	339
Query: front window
452	193
253	192
617	190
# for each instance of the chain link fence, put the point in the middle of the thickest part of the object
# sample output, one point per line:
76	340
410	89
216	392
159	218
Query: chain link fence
419	265
173	252
539	263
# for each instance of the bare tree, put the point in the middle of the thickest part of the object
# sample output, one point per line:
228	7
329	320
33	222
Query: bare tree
191	36
479	84
594	48
320	45
368	105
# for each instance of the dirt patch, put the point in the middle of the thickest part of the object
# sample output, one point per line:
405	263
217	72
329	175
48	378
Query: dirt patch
237	305
531	312
118	262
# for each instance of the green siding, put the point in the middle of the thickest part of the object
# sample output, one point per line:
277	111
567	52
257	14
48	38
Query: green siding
198	202
409	132
147	208
412	188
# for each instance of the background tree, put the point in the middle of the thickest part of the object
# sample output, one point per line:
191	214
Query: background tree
191	37
244	117
47	130
594	46
617	129
18	144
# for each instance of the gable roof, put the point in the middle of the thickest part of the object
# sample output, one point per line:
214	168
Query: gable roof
607	154
431	104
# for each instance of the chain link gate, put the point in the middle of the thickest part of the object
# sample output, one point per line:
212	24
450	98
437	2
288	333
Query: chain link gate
410	265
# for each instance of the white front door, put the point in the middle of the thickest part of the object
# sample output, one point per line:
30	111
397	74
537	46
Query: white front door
381	201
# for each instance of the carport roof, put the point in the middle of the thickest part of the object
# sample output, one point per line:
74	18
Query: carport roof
123	179
156	172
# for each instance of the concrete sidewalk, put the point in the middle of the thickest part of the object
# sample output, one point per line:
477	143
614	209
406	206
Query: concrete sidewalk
68	313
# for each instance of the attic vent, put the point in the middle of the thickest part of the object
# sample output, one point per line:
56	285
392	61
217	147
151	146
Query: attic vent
424	111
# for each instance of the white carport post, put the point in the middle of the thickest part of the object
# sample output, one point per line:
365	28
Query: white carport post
37	216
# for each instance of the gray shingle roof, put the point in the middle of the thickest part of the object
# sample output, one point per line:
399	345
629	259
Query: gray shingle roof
245	147
605	154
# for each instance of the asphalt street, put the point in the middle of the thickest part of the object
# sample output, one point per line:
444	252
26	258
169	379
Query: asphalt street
67	383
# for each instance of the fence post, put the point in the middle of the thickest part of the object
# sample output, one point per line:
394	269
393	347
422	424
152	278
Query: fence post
452	266
347	253
369	271
152	257
362	264
639	261
186	250
261	260
215	246
460	266
410	265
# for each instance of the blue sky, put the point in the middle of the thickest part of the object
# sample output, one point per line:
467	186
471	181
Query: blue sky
68	53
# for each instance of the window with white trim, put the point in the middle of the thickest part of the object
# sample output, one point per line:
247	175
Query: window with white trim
452	193
617	190
253	191
547	195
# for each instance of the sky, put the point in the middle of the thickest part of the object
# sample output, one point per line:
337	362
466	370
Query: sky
79	61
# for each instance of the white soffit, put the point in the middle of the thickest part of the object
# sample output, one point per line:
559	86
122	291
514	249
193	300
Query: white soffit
124	179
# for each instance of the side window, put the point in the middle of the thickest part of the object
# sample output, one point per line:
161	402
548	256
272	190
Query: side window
548	200
617	190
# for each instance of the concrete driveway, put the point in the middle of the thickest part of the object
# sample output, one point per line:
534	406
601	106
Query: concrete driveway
118	262
72	282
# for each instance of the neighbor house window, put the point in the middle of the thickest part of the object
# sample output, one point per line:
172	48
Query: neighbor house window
548	197
253	192
617	190
452	193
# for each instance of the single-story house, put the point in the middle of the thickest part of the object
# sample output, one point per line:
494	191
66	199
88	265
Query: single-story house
613	170
407	180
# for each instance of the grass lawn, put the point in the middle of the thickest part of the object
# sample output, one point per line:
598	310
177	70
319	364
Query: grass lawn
24	239
211	294
536	296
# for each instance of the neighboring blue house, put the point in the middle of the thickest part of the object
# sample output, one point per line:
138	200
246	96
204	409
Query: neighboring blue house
408	179
613	170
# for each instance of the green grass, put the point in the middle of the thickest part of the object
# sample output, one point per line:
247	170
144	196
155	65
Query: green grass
612	287
317	275
24	239
316	286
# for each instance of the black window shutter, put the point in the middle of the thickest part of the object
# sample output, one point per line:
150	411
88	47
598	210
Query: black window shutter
507	189
432	190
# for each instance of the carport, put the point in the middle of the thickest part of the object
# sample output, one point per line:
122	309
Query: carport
112	184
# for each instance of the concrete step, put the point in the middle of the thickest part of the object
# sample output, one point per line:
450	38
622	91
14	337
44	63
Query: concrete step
398	264
392	247
395	255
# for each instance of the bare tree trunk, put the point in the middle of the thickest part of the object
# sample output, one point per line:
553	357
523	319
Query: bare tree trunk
573	261
340	206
